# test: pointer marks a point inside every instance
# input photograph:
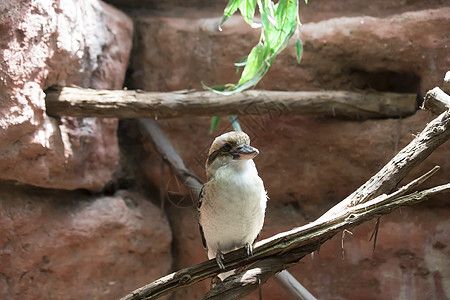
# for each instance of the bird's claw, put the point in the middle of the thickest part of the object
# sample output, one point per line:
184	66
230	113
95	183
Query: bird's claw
219	259
249	248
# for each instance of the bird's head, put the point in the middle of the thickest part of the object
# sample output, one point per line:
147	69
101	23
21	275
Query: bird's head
233	146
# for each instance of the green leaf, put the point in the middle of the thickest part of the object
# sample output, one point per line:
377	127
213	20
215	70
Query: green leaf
255	63
247	8
279	22
299	48
286	20
241	63
231	8
219	88
215	121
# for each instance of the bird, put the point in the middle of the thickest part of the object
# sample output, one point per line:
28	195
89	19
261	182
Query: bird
233	200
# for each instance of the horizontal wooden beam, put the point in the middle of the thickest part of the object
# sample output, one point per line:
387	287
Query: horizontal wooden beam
80	102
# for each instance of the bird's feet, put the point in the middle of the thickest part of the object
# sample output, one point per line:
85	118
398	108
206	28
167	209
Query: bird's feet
249	248
220	259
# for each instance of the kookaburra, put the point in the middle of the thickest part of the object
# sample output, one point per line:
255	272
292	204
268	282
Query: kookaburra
233	200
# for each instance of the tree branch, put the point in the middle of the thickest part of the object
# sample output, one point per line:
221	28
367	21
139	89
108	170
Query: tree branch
151	130
294	245
277	253
289	247
436	101
434	134
80	102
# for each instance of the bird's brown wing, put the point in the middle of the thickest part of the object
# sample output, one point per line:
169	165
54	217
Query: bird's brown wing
200	198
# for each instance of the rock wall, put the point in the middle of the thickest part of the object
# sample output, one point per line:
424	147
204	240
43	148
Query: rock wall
310	163
45	43
72	245
56	243
77	218
404	52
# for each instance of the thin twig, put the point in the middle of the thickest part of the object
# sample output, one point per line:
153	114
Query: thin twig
375	233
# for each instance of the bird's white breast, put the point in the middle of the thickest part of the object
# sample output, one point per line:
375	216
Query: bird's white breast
232	212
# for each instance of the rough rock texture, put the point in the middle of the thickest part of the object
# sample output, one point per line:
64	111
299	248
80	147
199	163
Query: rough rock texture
328	9
313	11
400	52
150	5
45	43
308	164
310	161
69	245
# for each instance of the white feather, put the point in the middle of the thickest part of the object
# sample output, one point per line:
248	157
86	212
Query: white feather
233	207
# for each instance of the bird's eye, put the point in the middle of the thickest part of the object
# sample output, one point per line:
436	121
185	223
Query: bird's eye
226	147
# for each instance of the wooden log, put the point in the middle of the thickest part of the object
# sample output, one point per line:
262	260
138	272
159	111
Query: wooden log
80	102
436	101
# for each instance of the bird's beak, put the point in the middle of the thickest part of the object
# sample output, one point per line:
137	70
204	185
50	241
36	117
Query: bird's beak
245	152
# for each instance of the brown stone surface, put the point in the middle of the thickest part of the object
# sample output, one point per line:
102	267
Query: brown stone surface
150	5
316	11
399	52
69	245
308	164
311	12
47	43
311	161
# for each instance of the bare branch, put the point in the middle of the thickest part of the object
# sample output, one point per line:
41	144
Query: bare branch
434	134
293	286
151	130
263	269
276	253
283	250
79	102
436	101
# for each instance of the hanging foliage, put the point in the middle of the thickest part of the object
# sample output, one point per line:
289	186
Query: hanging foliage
278	24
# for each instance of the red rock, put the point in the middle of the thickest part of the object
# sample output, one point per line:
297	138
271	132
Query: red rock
311	161
63	43
69	245
316	11
368	52
308	164
399	52
317	161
